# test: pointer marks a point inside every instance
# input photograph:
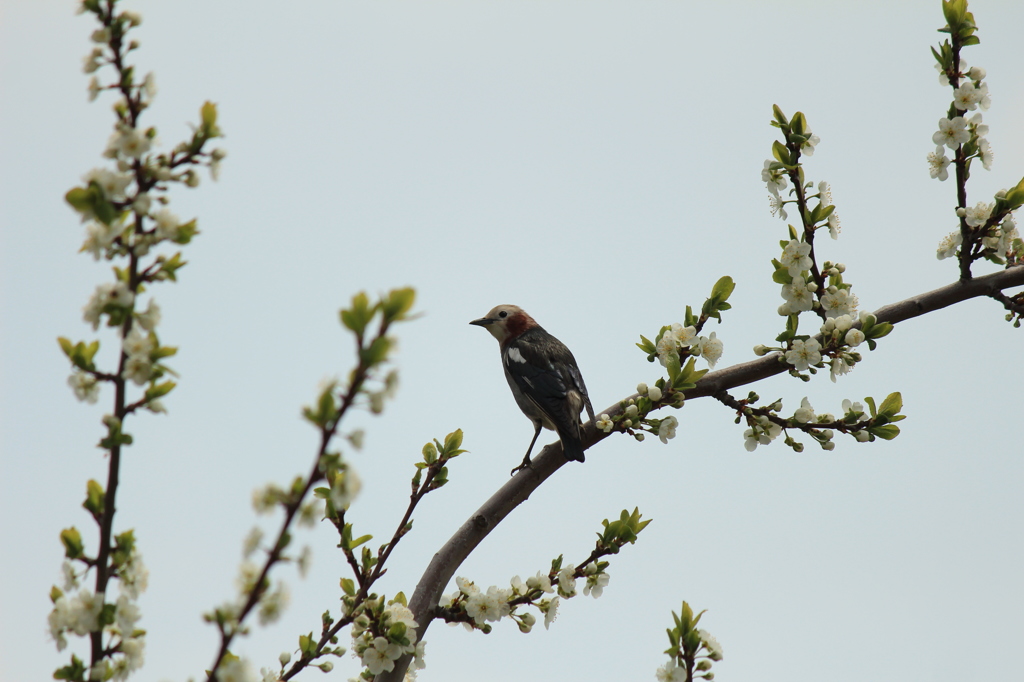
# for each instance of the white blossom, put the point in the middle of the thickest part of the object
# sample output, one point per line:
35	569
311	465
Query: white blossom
937	163
85	386
985	153
567	580
133	576
798	297
670	672
839	302
966	97
667	429
949	245
834	226
596	582
128	142
346	488
138	369
824	194
777	206
952	132
709	348
774	179
127	614
550	609
488	606
167	224
138	344
839	367
807	147
605	423
979	214
400	613
150	318
805	413
796	257
541	582
273	603
236	670
712	645
149	85
112	184
804	354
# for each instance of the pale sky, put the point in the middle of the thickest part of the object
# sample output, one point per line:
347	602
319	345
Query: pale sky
597	163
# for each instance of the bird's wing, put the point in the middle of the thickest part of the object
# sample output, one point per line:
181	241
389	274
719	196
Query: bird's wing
545	372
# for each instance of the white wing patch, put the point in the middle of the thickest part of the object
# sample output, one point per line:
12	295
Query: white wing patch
515	356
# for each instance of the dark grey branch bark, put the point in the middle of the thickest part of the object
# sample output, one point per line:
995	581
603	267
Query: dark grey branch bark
517	490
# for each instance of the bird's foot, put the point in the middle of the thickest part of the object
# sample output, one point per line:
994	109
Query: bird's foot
525	465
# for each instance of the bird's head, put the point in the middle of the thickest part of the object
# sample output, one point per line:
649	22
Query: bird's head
506	322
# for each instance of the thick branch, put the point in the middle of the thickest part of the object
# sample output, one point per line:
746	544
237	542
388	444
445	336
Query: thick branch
517	490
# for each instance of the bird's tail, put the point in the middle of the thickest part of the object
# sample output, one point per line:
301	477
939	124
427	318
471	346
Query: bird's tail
572	445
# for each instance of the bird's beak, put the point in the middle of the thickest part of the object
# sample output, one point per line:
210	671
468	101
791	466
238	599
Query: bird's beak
482	322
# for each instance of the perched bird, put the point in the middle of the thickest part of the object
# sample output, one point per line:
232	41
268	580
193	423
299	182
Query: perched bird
543	376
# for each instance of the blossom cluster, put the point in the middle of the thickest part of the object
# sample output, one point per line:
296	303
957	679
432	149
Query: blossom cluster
78	611
766	422
475	608
988	227
383	634
692	652
634	419
677	338
955	131
673	672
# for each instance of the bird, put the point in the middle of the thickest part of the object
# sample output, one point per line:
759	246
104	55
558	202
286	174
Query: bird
544	378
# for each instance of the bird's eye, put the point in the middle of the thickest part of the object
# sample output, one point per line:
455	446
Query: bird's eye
503	314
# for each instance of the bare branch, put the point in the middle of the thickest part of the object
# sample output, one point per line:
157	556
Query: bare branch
517	490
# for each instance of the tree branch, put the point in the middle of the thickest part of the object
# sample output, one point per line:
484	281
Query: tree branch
518	489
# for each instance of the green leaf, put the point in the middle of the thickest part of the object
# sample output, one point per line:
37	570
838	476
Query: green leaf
398	303
1015	197
72	540
672	365
348	587
452	442
781	154
879	330
159	390
781	274
871	405
646	345
723	289
360	314
954	11
779	116
186	232
95	498
75	671
359	541
892	404
208	116
799	123
307	645
885	432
